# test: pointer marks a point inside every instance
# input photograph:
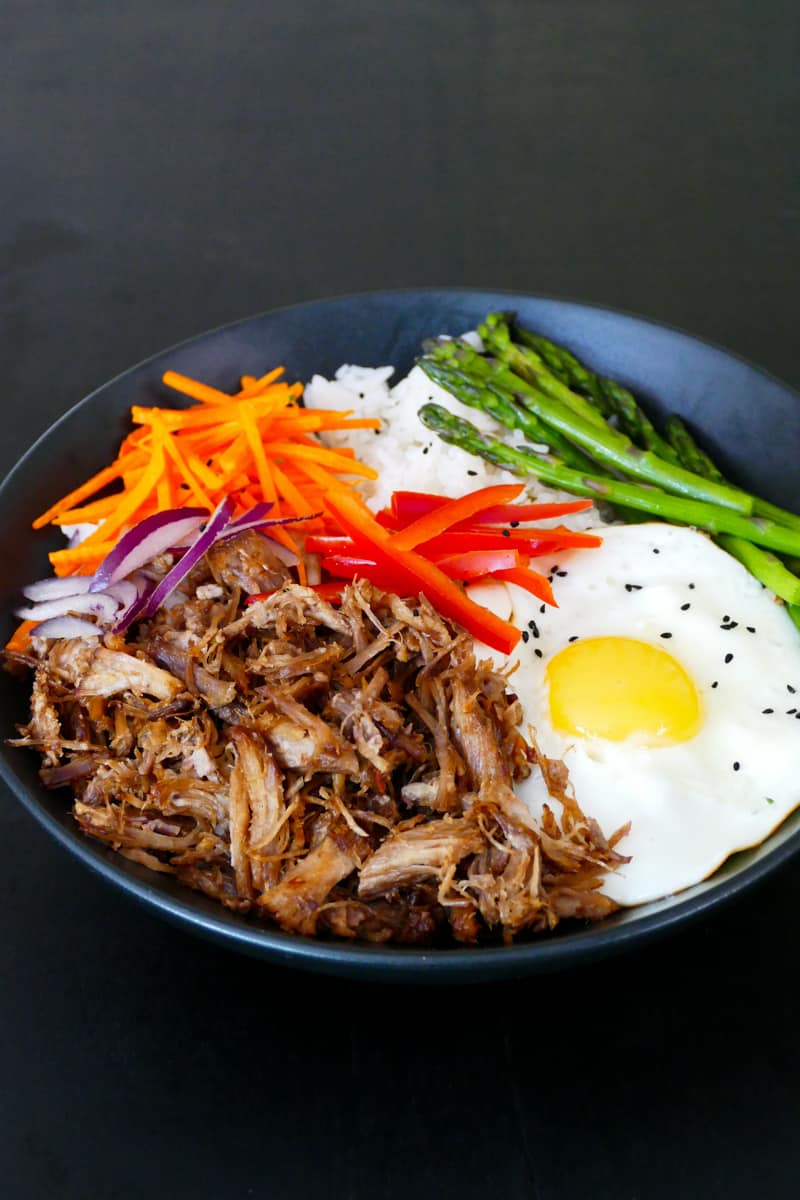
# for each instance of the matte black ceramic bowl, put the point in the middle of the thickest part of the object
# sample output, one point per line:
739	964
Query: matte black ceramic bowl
750	422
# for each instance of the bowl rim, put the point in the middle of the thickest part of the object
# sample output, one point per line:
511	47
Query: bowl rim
412	964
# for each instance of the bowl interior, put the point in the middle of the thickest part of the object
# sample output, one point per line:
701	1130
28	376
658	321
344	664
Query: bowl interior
749	421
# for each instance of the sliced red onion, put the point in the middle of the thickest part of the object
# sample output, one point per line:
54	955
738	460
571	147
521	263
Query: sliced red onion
98	604
313	569
145	541
125	591
51	589
116	600
136	608
254	514
286	556
241	526
66	627
219	519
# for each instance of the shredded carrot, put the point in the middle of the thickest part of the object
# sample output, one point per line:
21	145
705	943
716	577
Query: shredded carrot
252	386
18	642
191	387
257	444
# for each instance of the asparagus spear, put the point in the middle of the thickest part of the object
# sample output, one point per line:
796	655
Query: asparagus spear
572	372
766	568
610	397
606	395
528	366
524	461
503	408
607	445
689	453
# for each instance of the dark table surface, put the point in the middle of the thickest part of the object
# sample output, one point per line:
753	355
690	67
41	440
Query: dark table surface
170	166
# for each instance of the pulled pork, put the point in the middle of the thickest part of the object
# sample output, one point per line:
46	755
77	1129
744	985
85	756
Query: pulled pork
344	771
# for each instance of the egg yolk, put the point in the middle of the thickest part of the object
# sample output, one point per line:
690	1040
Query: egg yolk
616	688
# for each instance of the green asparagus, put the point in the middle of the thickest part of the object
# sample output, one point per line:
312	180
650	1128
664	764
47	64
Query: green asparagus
524	461
766	568
527	363
502	407
606	445
609	396
689	453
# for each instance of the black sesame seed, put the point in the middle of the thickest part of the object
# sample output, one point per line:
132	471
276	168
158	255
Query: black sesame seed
685	607
729	625
543	608
525	635
736	766
633	587
515	524
791	689
767	711
534	628
562	574
666	635
790	712
656	550
715	683
574	637
726	617
537	652
425	449
750	628
361	395
506	533
472	472
691	587
728	658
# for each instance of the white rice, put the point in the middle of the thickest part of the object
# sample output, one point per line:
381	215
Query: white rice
406	455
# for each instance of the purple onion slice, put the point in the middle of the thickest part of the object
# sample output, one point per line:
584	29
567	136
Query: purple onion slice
254	515
66	627
51	589
144	589
149	538
125	591
281	552
218	520
97	604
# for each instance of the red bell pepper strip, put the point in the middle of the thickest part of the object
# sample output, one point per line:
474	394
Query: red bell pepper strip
421	576
532	542
538	585
382	575
326	544
475	564
439	520
409	506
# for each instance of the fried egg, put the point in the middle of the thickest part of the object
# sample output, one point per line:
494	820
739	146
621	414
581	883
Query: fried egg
668	681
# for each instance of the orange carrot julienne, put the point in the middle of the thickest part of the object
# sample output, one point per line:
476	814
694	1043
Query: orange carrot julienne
195	389
256	445
20	638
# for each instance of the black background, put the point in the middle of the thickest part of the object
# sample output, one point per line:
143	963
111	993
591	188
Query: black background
165	167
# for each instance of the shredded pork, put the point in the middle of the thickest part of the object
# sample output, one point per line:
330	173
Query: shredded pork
340	770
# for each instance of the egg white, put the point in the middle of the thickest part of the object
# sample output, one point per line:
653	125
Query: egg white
689	806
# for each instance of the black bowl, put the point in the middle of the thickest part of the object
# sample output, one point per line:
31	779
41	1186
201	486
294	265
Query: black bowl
749	421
